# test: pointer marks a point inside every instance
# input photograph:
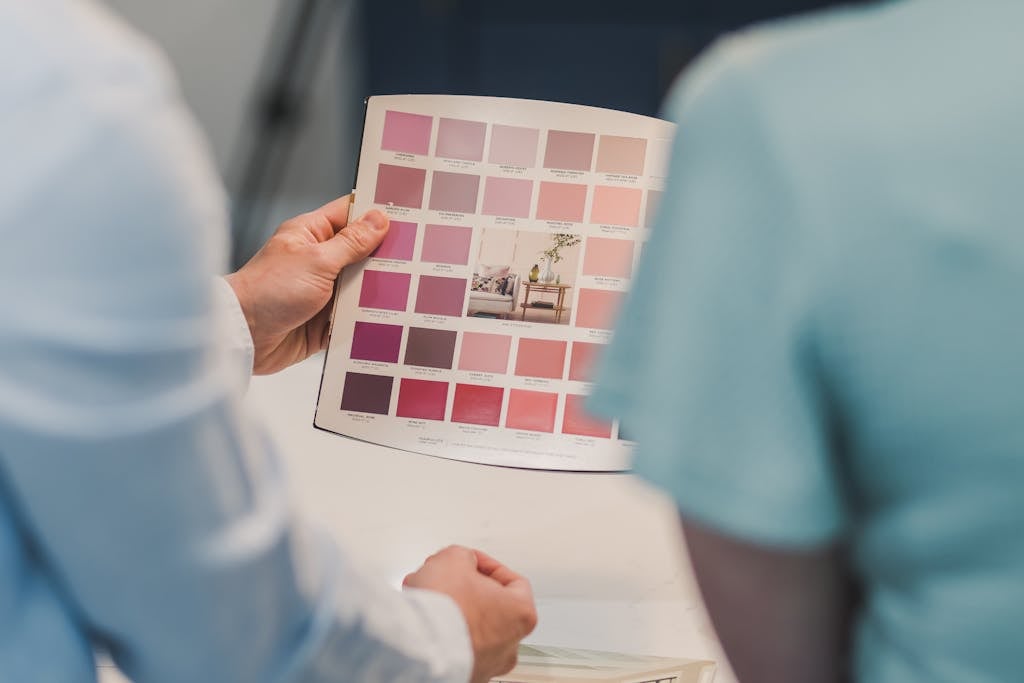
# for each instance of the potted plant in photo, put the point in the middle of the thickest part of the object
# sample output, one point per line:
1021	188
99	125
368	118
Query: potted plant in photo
552	255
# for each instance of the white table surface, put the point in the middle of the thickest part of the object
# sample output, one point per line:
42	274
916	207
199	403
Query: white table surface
602	551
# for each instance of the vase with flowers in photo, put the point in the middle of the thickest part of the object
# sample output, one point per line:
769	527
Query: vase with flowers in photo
553	254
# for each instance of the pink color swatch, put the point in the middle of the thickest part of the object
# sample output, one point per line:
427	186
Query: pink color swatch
561	202
569	151
514	146
399	242
456	192
541	358
477	405
485	352
616	206
608	257
508	197
422	399
458	139
440	295
408	133
577	421
581	361
446	244
623	155
400	186
380	289
597	308
531	410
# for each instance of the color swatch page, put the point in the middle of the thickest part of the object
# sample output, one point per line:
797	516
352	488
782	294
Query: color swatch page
473	330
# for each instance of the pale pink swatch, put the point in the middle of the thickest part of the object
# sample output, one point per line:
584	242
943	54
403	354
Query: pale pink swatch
508	197
616	206
485	352
458	139
608	257
514	146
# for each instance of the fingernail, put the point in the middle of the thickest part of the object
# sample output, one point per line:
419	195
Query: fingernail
376	219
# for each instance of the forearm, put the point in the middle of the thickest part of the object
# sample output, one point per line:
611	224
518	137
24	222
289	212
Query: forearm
783	616
179	547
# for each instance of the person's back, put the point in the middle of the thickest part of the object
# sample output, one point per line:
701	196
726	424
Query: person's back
915	190
842	333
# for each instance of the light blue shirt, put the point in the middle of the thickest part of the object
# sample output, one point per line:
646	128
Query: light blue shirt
825	340
140	510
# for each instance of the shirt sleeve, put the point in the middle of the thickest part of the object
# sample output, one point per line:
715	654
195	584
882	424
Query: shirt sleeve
147	494
712	369
234	330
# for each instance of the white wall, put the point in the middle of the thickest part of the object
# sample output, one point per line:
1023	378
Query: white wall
522	249
217	47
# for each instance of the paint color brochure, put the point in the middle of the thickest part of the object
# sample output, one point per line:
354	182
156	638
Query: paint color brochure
543	664
472	332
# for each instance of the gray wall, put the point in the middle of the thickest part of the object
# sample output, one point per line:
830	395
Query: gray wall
217	47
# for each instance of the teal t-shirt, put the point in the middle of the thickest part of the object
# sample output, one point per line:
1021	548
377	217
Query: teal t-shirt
825	339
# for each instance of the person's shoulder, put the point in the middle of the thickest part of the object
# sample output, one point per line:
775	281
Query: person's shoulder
74	49
783	60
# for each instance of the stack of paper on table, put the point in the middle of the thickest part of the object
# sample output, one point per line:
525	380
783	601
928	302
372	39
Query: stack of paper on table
543	664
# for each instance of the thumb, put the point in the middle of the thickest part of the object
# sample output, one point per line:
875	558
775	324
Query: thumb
357	240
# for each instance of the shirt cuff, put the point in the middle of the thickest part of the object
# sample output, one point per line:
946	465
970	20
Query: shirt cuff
234	329
449	626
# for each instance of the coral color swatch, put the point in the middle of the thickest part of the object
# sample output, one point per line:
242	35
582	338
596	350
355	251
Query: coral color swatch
531	410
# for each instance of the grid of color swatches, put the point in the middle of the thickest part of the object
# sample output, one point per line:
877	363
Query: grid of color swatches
471	352
562	199
462	332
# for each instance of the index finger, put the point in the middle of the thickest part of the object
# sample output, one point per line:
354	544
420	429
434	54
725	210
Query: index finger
489	566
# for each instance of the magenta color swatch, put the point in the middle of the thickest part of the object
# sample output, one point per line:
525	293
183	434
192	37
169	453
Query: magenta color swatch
483	352
569	151
408	133
577	421
446	244
514	146
367	393
374	341
508	197
531	410
456	192
385	290
422	399
400	186
561	202
399	242
477	405
458	139
440	295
